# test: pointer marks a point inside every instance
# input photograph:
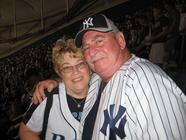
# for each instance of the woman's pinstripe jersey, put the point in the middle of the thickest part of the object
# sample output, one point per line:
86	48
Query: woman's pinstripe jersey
141	102
61	123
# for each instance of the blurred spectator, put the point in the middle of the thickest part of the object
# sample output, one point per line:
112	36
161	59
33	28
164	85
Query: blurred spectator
157	35
32	77
182	9
172	34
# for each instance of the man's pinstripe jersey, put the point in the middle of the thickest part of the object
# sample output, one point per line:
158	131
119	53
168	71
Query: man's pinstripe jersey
141	102
61	123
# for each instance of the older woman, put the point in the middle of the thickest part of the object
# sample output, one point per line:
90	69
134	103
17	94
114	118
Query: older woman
65	119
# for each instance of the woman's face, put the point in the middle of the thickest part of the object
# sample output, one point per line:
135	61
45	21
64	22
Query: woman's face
75	73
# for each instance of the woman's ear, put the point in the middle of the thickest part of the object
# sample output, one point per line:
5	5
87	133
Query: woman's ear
121	40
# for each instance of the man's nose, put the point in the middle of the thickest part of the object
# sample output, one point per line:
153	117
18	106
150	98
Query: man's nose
93	50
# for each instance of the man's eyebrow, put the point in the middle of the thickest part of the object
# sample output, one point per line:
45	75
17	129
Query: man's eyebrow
96	37
93	39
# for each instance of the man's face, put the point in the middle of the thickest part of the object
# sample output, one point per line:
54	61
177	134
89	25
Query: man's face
101	51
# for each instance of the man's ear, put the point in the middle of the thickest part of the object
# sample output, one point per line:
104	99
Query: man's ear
121	40
91	72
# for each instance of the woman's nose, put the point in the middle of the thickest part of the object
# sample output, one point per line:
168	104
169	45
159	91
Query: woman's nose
75	69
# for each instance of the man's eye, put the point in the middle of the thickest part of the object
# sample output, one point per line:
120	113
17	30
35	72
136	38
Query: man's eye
85	49
99	41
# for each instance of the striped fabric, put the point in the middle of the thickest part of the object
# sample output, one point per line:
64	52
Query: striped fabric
141	102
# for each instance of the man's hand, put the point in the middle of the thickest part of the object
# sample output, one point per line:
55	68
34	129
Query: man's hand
39	95
25	133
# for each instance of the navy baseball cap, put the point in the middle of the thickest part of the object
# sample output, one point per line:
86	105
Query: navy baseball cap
95	23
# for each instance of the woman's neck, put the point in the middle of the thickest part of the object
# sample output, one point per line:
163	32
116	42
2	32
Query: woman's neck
77	94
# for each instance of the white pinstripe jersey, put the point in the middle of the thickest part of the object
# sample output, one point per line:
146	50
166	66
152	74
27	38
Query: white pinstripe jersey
61	123
141	102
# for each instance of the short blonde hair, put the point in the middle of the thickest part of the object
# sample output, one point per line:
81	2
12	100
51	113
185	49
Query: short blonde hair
62	47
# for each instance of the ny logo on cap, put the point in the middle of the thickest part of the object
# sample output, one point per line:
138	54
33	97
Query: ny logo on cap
87	23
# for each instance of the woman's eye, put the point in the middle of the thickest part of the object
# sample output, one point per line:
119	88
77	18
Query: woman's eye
67	69
82	65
